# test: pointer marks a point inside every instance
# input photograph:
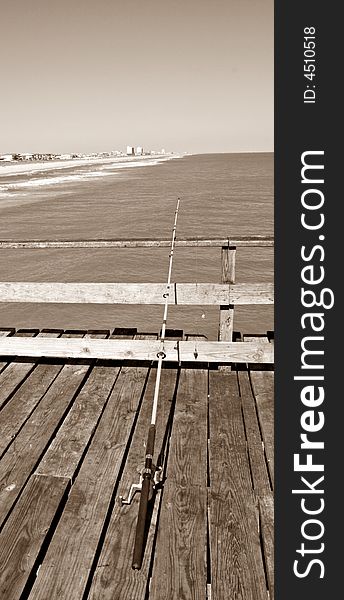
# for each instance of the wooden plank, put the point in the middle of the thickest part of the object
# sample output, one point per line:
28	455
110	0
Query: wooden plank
226	323
95	293
23	402
261	482
262	383
218	352
65	452
23	455
18	409
226	352
237	569
242	241
228	256
4	333
204	294
66	567
16	372
63	455
251	293
216	294
266	512
114	579
179	569
25	531
263	389
259	471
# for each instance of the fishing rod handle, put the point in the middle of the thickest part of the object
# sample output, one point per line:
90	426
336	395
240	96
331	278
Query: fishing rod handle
141	524
150	442
147	483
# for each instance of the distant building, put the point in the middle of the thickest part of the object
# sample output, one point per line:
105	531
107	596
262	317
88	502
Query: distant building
6	157
64	156
130	151
139	151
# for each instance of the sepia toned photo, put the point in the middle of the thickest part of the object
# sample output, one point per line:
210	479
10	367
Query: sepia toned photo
137	300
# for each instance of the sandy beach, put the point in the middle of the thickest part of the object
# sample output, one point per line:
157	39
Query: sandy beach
22	182
18	167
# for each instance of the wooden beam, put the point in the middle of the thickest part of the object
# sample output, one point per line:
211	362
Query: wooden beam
179	569
226	324
184	351
226	352
113	576
95	293
260	478
12	375
228	264
237	569
251	293
203	294
25	530
90	496
244	241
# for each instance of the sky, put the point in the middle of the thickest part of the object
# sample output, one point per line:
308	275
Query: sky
89	76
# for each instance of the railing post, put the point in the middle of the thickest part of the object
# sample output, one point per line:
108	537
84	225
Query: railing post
228	254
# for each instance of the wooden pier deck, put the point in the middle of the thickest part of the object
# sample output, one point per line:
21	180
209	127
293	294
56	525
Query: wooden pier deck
72	441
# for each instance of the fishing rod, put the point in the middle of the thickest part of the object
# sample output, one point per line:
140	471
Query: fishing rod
150	474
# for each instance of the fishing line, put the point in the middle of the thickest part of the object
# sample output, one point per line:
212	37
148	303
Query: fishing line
161	354
150	474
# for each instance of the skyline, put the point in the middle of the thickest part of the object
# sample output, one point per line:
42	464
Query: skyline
191	77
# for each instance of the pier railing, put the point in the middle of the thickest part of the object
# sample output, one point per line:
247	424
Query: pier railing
226	295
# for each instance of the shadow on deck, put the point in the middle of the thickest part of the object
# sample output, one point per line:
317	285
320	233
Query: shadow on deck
72	441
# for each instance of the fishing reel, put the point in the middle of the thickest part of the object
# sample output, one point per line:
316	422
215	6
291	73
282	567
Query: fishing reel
137	487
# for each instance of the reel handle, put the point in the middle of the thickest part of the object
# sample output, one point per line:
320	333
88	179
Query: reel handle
147	480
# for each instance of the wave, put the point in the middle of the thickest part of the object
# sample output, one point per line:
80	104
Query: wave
79	173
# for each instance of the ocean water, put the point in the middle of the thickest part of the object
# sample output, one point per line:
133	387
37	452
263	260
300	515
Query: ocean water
221	195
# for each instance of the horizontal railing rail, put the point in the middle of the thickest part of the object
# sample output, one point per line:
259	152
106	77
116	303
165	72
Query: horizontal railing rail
110	349
203	294
218	242
226	295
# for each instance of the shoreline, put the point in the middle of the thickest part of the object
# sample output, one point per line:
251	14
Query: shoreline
16	168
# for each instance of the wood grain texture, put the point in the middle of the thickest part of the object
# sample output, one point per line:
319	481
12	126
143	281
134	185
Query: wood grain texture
114	579
237	570
23	402
251	293
228	260
204	294
218	352
255	443
65	451
179	569
66	567
25	531
95	293
18	409
22	456
263	389
261	482
226	352
16	372
266	512
242	241
5	333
